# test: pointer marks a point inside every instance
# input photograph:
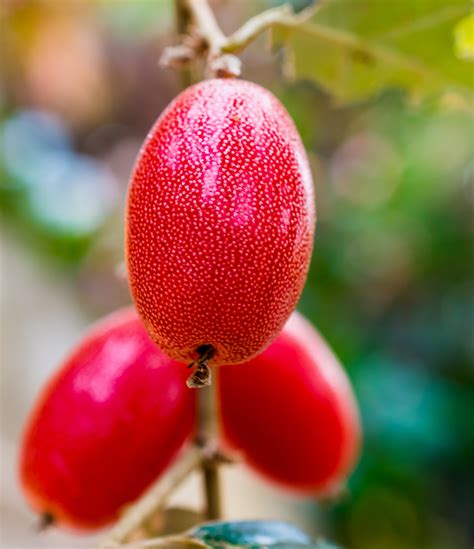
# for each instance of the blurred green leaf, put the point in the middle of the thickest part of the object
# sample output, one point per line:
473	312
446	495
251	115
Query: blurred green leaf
464	36
356	48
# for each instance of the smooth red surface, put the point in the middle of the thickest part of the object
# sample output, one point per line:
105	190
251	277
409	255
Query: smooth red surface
106	425
291	412
220	222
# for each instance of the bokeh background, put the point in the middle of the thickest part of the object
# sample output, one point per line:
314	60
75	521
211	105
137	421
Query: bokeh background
390	284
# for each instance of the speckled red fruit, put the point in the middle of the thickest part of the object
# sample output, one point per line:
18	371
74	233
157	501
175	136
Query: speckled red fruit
105	426
220	222
291	412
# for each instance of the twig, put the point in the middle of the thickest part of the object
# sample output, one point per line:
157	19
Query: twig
180	56
207	25
206	438
154	499
182	16
167	542
211	477
242	37
220	49
218	64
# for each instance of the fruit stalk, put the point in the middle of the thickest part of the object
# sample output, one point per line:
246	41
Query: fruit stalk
206	439
211	474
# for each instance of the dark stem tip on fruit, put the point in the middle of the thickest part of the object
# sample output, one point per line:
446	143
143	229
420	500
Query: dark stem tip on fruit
202	374
46	520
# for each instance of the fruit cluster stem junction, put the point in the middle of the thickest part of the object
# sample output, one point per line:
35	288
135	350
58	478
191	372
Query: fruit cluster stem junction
205	37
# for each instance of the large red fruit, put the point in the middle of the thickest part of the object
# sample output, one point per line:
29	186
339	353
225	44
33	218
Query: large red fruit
220	222
105	426
291	412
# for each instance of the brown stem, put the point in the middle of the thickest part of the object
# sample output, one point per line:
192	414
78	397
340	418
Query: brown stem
243	36
211	477
207	24
182	16
206	438
220	48
183	21
219	64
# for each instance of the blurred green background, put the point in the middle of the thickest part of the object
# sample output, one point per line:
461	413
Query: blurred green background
390	284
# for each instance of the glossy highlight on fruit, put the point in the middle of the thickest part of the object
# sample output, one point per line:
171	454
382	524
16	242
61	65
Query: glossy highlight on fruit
105	426
290	412
220	222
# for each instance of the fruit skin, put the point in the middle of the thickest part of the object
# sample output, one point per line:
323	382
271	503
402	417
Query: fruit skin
105	426
291	412
220	222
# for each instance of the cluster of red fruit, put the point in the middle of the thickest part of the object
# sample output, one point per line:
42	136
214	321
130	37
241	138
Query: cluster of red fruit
220	226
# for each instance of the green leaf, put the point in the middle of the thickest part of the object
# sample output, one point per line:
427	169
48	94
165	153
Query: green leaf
356	48
464	36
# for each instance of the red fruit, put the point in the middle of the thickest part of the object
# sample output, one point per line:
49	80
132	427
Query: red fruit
291	412
105	426
220	222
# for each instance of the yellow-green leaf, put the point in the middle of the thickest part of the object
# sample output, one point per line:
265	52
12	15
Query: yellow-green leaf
356	48
464	38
